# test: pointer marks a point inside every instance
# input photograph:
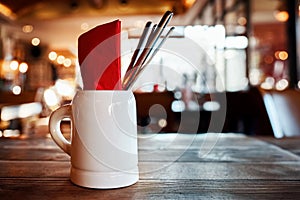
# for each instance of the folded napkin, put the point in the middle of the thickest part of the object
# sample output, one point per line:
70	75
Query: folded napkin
99	57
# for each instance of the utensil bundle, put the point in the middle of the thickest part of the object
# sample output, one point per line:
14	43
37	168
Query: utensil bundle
99	54
146	49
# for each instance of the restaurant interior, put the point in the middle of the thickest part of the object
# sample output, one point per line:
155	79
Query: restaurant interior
202	104
229	66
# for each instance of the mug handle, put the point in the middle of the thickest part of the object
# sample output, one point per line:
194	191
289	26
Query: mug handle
54	127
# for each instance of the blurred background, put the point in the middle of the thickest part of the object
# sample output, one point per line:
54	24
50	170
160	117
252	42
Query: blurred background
229	66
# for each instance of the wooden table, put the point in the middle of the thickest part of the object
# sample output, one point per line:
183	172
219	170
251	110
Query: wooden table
172	166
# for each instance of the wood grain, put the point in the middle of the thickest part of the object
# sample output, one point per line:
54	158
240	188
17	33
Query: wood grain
151	189
172	166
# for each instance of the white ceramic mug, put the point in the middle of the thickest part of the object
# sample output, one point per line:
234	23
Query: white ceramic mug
103	146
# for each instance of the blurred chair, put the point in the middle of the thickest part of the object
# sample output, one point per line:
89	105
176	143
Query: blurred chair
246	113
283	108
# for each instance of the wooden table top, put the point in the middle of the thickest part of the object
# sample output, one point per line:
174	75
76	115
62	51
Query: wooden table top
172	166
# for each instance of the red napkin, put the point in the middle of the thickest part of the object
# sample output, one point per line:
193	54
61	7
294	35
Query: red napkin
99	57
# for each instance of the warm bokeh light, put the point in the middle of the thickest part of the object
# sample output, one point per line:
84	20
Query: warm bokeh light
281	55
35	41
282	85
27	28
52	55
14	65
16	90
162	123
23	67
282	16
67	62
242	21
276	54
60	59
268	84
